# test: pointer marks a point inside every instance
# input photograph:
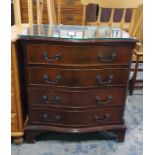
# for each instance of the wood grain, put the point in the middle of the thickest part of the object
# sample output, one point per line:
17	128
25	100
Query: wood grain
55	98
70	55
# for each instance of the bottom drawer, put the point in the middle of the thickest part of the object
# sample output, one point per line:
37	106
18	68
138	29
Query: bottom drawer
14	122
76	118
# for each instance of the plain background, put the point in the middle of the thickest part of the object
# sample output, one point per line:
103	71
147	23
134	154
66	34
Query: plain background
5	77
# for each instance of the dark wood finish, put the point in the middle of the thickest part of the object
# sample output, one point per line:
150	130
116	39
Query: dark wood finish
75	118
118	131
30	135
119	134
77	78
47	97
70	55
75	95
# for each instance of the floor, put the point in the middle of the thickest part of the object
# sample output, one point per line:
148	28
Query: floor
93	144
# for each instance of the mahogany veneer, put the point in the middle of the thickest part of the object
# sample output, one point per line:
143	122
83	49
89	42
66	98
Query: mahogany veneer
47	97
75	86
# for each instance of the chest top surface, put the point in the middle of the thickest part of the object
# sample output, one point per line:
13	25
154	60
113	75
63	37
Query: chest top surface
76	33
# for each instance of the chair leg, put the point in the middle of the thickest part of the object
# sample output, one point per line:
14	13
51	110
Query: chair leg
133	79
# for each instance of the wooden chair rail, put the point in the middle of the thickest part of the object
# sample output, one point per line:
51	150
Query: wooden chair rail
113	5
39	7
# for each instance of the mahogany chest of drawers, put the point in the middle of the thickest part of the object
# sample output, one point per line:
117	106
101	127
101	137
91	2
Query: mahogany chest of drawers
75	86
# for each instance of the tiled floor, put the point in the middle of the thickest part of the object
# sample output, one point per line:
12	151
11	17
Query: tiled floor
54	145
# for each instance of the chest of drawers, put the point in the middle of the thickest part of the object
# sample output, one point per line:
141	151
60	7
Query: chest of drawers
75	86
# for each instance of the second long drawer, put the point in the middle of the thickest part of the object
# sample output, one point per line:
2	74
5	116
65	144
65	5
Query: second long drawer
78	77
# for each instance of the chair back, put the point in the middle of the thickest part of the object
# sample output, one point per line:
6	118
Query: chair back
113	5
138	24
85	3
40	5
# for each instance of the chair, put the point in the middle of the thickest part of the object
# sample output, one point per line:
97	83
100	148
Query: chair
40	5
85	4
138	51
49	4
113	4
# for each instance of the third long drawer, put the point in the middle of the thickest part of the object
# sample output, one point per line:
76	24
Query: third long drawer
97	98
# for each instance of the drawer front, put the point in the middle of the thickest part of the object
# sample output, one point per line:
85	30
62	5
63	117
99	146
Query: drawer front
63	55
71	3
68	3
70	118
71	19
77	77
44	97
13	103
14	122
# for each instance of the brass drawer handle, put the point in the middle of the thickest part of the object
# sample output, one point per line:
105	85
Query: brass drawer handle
101	119
46	79
101	102
54	119
102	81
111	58
69	18
69	1
46	57
54	99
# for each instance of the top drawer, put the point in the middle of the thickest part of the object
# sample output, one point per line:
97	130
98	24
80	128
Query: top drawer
77	55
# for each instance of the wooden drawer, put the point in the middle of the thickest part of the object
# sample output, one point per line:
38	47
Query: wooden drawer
70	2
77	77
70	18
76	118
13	103
46	97
84	55
14	122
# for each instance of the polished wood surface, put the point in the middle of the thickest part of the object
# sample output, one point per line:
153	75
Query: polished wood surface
99	98
78	78
76	118
71	94
70	55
